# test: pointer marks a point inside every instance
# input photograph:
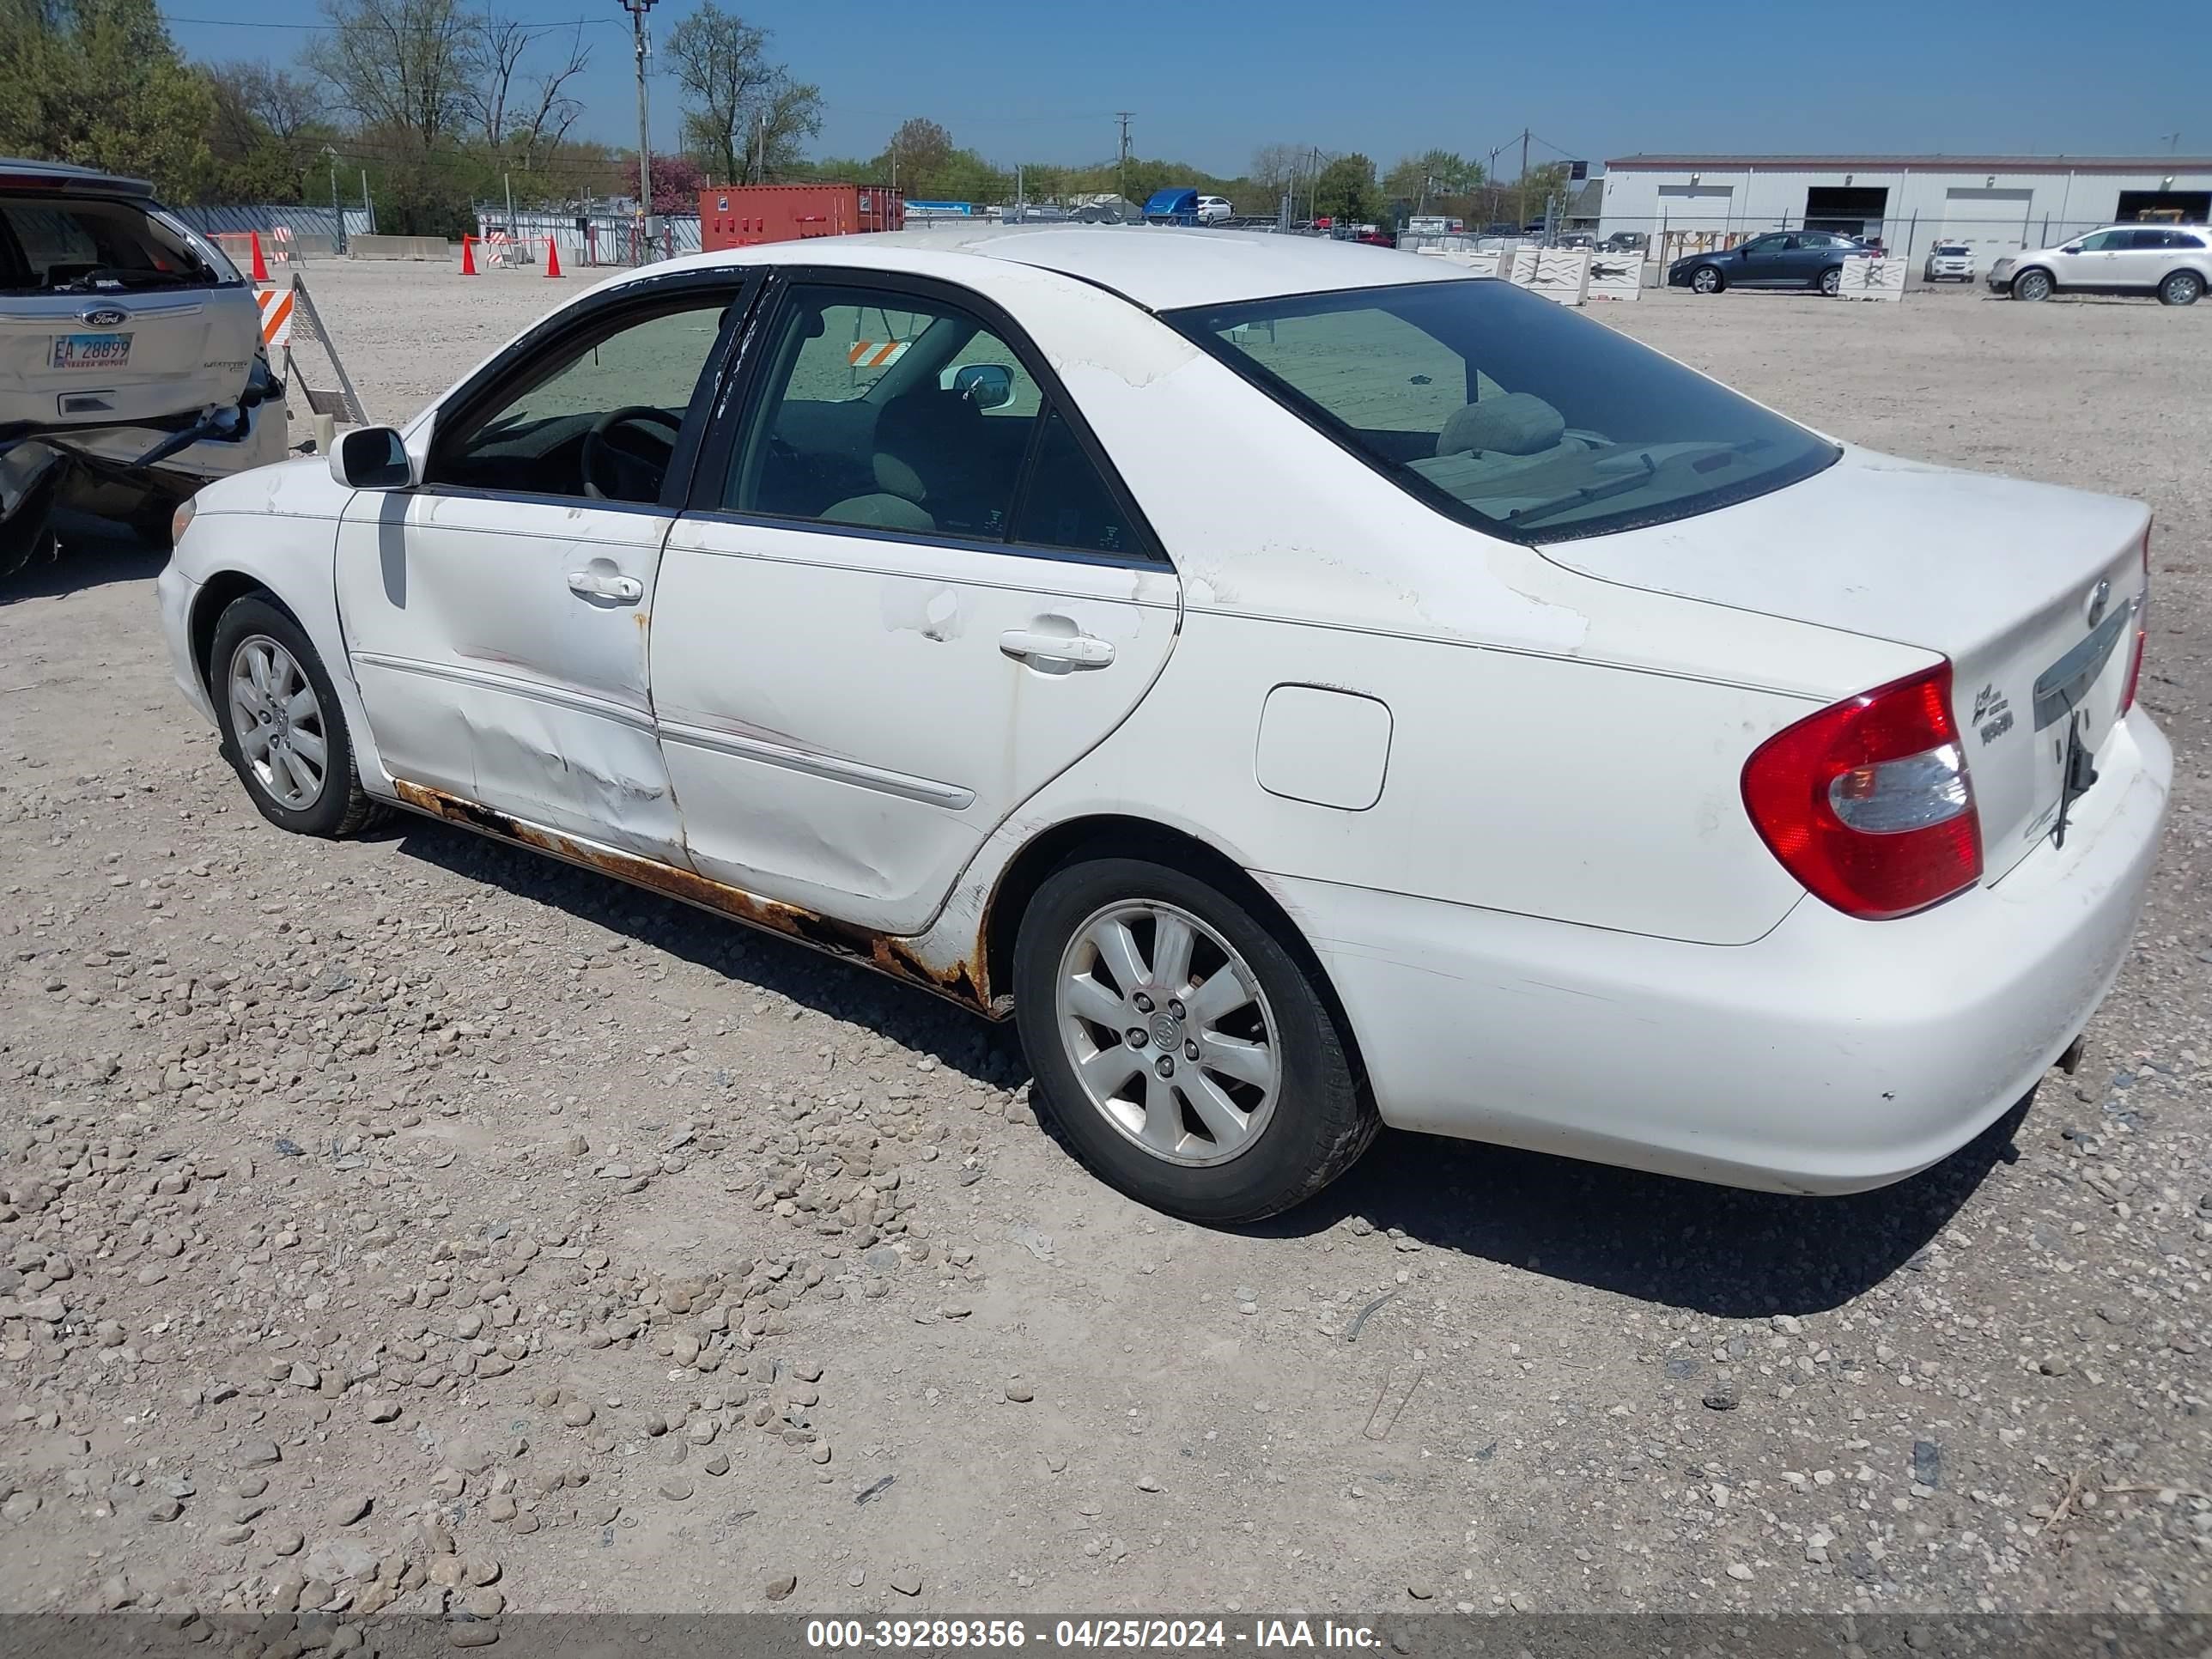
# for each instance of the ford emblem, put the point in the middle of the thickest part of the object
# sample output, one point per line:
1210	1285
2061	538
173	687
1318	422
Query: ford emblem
2099	597
103	317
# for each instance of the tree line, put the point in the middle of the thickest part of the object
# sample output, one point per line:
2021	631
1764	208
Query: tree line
434	105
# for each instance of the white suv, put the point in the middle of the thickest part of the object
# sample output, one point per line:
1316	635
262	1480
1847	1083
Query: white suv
2172	261
121	331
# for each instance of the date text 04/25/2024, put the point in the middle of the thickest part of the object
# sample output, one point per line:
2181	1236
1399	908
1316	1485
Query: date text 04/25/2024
1170	1634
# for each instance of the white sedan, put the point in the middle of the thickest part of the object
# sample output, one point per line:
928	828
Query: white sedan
1547	745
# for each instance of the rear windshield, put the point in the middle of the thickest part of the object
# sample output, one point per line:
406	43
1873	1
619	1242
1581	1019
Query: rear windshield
1505	411
54	245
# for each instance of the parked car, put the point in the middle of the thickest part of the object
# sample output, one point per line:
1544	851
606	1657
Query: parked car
1214	210
2172	261
122	332
1780	258
1464	775
1948	261
1575	238
1627	242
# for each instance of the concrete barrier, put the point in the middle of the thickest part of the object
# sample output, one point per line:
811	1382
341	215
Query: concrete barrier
397	248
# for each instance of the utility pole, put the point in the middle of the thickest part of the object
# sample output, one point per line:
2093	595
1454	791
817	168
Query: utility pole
1524	176
637	9
760	149
337	213
367	207
1121	159
507	179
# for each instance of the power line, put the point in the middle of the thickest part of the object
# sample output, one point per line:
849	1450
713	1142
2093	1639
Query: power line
324	29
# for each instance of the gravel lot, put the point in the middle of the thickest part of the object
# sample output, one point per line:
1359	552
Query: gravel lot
407	1223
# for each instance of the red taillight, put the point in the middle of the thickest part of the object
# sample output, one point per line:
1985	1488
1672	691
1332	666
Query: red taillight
2143	633
1868	803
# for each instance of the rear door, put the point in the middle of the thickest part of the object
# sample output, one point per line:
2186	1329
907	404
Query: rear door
2139	256
908	591
109	314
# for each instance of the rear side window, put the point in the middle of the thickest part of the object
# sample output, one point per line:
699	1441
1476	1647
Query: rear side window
1505	411
57	245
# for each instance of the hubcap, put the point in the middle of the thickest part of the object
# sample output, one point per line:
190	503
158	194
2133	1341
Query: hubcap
279	722
1168	1033
1704	282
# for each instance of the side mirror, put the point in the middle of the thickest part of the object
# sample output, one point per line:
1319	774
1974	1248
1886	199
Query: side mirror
987	386
2074	249
371	457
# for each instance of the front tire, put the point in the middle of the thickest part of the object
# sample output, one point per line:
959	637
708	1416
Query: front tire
2180	288
2032	285
1706	280
1180	1046
284	729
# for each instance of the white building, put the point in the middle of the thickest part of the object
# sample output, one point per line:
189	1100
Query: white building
1994	203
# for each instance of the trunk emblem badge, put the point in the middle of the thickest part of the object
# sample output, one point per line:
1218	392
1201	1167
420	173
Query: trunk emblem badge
2099	597
103	317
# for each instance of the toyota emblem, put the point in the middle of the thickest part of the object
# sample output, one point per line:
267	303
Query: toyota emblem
103	317
2099	596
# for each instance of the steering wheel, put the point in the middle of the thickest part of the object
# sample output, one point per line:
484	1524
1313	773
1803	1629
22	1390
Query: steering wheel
629	468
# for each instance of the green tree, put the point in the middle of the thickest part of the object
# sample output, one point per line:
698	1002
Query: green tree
921	150
1346	191
745	115
100	83
1432	177
410	68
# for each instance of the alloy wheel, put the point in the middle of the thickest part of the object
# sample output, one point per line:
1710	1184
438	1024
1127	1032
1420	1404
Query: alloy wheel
1168	1033
278	721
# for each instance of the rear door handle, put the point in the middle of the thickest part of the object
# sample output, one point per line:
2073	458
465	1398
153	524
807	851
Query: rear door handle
1080	650
596	585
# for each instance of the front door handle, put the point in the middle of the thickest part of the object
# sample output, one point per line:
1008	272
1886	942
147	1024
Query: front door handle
596	584
1077	650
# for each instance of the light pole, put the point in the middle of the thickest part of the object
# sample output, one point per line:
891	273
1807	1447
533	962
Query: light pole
337	214
637	9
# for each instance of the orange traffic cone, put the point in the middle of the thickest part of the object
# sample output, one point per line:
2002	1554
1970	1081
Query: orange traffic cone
552	257
260	265
468	256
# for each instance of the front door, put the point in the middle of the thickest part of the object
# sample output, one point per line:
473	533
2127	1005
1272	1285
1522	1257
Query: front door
1762	260
2093	262
908	594
497	614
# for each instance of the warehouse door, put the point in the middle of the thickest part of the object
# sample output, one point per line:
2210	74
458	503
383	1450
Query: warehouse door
1991	222
1847	210
2191	207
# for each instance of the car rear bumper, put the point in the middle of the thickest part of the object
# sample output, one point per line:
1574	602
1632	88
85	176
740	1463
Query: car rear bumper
1829	1056
265	442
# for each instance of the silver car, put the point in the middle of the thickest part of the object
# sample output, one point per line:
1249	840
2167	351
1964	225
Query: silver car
122	331
2172	261
1948	261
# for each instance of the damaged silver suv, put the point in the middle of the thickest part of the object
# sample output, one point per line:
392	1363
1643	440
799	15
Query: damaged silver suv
132	370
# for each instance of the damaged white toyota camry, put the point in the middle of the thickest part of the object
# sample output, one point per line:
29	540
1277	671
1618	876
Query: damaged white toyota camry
1306	688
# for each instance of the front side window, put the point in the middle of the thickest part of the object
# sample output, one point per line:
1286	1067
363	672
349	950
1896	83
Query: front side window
596	420
2102	242
1505	411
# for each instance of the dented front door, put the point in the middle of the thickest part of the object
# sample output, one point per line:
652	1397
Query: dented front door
500	644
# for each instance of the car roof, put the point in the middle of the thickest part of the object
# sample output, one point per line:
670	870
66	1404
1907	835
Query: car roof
21	174
1160	268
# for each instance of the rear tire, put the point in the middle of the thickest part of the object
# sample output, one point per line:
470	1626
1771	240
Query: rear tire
1831	282
296	756
1237	1097
2180	288
2032	285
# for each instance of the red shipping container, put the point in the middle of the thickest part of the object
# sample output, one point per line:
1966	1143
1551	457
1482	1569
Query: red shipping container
744	216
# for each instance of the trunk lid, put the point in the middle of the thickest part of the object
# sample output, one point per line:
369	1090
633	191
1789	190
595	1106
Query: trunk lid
2034	593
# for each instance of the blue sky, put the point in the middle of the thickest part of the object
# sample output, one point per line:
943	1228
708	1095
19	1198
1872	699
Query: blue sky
1026	80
